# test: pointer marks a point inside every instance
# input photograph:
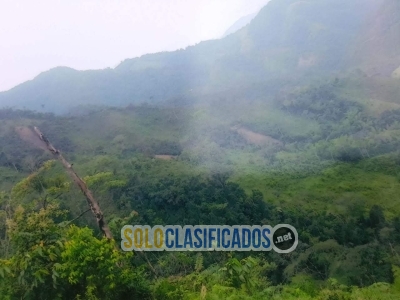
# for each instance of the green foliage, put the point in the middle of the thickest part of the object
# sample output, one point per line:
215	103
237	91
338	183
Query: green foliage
242	273
253	140
322	157
50	261
96	269
37	245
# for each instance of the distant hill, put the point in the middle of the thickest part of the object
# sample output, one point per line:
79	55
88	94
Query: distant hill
288	40
239	24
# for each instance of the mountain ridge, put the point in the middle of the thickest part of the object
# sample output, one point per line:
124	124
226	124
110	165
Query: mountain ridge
286	38
239	24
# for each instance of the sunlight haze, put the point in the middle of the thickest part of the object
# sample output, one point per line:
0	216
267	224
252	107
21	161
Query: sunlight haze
38	35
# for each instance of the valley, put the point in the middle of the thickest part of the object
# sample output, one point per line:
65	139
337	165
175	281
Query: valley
291	119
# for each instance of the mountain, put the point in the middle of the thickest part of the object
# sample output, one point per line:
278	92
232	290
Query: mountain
239	24
288	40
378	46
293	119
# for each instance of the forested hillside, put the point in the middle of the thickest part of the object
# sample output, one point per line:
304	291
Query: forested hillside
323	158
293	119
288	40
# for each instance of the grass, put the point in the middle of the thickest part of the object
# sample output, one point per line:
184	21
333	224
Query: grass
329	189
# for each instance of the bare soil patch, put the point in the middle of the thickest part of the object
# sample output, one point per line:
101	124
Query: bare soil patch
165	157
27	134
257	138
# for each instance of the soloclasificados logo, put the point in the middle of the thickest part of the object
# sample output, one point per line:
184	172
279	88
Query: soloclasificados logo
282	238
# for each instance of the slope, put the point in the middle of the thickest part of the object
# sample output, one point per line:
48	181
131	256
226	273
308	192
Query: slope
288	39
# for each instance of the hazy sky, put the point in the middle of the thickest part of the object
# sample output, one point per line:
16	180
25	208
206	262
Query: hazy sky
36	35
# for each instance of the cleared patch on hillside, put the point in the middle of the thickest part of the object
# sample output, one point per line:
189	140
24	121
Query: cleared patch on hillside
26	134
165	157
396	73
307	61
256	138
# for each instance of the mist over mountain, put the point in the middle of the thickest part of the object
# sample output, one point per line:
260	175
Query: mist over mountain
378	44
293	119
287	40
239	24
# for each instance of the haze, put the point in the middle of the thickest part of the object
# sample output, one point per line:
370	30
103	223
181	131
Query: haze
87	34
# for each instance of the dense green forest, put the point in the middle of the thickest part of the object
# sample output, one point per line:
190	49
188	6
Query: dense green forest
320	157
293	119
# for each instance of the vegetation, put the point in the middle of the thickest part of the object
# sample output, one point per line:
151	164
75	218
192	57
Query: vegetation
286	43
307	137
334	180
